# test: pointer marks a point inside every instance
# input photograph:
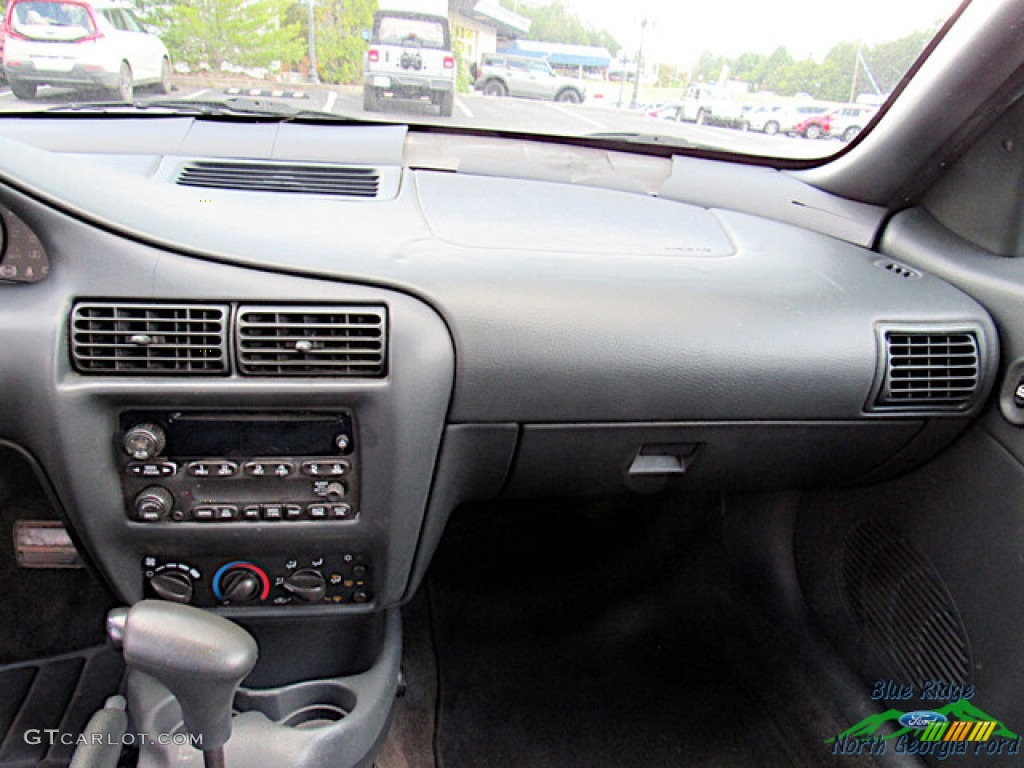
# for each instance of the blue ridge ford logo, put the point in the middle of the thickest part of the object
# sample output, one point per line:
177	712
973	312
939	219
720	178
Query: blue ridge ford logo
921	719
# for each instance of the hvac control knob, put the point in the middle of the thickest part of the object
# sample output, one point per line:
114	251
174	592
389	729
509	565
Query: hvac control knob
144	441
174	586
153	504
307	584
239	586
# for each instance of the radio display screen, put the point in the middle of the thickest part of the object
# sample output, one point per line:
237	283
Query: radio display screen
198	435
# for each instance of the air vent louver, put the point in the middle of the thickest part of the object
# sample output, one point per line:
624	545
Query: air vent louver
152	339
312	341
307	178
930	370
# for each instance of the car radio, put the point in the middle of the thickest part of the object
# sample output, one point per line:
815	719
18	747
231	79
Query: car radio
225	467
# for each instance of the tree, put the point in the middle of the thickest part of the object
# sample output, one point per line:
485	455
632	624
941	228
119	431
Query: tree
210	33
339	38
890	61
555	23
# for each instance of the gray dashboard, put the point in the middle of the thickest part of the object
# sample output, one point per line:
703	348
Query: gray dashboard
546	337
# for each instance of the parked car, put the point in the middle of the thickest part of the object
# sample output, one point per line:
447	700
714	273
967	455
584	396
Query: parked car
526	77
764	118
410	57
814	127
76	44
848	121
786	119
711	105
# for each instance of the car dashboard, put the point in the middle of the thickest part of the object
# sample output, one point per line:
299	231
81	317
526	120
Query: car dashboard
337	335
254	366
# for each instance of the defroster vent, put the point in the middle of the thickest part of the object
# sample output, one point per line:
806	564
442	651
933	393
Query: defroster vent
932	370
301	178
151	339
339	341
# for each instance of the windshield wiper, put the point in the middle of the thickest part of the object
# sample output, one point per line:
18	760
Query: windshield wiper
235	105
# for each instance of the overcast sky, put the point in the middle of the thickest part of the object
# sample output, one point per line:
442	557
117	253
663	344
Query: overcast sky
682	29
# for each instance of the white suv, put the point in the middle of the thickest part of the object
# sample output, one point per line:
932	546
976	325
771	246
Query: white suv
410	57
70	43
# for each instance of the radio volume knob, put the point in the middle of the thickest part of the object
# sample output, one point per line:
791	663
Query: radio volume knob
144	441
153	504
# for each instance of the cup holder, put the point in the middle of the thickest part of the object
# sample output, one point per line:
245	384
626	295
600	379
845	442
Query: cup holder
305	706
314	716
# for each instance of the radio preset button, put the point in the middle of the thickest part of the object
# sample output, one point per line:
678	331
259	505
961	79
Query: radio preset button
255	469
325	468
293	511
227	512
203	514
273	512
317	511
341	511
153	469
251	513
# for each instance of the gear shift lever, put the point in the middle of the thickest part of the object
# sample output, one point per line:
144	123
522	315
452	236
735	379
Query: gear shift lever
201	658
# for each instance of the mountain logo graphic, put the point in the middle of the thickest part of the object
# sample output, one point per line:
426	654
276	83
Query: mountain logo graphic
956	721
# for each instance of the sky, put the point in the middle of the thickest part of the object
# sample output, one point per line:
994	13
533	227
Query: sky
680	30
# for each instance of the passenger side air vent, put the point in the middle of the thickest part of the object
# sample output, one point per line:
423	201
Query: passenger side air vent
929	370
312	341
304	178
151	339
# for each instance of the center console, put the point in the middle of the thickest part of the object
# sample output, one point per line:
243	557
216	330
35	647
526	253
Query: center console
294	506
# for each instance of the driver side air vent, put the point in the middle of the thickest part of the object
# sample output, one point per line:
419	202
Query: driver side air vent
340	341
300	178
930	370
151	339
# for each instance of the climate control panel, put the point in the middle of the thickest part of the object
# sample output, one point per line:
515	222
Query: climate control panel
343	578
201	467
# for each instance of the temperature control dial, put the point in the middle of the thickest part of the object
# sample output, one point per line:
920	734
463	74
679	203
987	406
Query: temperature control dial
144	441
240	582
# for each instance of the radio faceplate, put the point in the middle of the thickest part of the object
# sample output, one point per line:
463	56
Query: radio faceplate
238	468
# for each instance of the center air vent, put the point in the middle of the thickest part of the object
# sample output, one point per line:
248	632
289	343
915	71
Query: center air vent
161	339
300	178
312	341
932	370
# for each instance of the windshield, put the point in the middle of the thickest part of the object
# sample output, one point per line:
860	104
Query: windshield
784	79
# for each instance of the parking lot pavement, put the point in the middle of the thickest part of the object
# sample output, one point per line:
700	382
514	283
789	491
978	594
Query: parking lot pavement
472	110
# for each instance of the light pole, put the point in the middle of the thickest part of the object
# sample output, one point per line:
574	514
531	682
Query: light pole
313	76
639	63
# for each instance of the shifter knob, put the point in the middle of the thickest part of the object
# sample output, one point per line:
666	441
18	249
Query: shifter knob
201	658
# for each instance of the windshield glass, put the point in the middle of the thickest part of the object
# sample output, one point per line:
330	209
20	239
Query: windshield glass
784	79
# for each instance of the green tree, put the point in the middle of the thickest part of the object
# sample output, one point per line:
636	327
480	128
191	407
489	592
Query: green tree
339	38
555	23
209	33
890	61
